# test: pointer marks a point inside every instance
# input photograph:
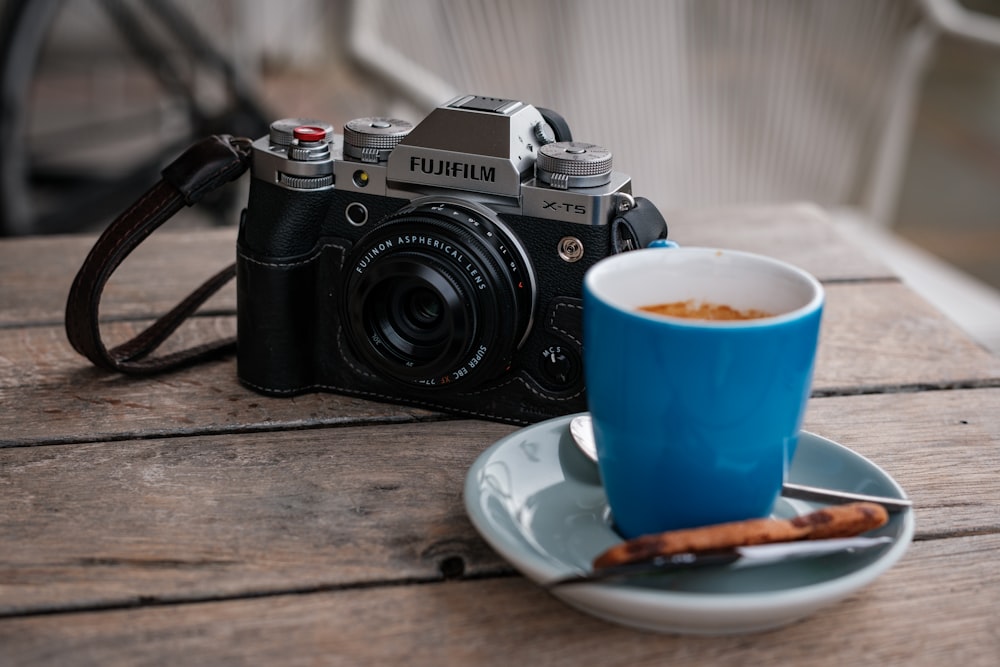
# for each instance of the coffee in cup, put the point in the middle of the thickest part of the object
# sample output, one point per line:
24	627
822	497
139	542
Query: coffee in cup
703	311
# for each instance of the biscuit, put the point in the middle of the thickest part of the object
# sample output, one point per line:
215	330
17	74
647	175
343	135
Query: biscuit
835	521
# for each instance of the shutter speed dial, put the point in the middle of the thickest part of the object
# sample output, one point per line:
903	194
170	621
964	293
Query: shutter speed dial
372	139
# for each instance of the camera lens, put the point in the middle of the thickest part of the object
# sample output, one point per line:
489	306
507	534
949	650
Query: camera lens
438	294
422	309
412	314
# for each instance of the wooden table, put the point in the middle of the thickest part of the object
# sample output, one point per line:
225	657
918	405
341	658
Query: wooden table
183	519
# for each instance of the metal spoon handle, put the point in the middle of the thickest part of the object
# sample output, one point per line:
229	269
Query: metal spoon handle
748	556
831	496
583	435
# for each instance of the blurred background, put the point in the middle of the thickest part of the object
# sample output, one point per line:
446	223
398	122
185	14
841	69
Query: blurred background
886	112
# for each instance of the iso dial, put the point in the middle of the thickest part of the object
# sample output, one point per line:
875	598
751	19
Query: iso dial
573	164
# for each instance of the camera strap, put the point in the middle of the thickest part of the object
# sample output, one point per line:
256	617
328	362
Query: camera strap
637	227
202	168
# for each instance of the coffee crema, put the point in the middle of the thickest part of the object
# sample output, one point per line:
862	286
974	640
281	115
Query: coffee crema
703	311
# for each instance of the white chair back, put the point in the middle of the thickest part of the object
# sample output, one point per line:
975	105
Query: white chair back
703	102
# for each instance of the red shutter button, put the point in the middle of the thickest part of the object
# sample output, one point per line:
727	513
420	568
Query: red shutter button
309	133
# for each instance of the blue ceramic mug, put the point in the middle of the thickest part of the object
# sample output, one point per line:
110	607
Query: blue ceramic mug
696	421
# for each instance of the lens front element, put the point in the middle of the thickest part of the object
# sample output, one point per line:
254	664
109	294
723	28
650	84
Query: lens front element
412	315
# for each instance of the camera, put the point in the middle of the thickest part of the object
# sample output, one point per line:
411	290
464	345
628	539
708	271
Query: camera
438	265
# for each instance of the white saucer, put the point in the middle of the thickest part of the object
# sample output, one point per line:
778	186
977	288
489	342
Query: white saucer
539	503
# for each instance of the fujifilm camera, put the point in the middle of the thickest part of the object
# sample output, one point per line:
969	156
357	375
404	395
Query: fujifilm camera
437	265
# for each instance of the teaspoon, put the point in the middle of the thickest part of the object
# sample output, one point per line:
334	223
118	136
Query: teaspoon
583	435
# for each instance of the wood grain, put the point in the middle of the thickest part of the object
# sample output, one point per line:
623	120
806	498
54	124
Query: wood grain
917	614
883	337
36	274
173	519
876	337
801	234
942	446
183	518
50	394
177	518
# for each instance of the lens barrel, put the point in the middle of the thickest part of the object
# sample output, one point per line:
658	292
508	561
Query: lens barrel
438	294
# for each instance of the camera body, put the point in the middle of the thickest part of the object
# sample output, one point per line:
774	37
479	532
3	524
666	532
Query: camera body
438	265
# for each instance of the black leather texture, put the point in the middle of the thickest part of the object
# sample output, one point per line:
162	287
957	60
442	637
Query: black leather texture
206	166
281	222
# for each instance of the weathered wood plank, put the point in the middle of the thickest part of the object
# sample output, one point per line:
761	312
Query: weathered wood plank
171	263
224	515
882	336
876	337
49	393
943	447
162	271
801	234
175	519
919	613
301	536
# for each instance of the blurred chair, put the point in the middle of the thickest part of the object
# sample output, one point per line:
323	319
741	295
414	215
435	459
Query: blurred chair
708	102
96	96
